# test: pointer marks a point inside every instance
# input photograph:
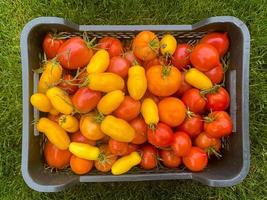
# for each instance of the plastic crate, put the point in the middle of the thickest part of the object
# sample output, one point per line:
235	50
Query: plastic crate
227	171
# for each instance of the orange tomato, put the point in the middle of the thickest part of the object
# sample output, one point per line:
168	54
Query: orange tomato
146	45
163	80
140	128
105	159
80	166
118	148
172	111
78	137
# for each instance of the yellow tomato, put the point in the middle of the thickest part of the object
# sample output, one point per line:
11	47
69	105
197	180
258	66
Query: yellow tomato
149	111
41	102
69	123
168	45
198	79
99	62
137	83
84	151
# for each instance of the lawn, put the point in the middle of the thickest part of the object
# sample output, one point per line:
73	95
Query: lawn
16	13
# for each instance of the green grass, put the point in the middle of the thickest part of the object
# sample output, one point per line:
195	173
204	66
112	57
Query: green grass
14	14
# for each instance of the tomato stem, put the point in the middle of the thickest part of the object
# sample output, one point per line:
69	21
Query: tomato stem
166	70
99	117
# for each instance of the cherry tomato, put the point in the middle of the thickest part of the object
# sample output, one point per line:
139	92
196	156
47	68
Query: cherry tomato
85	99
194	101
192	125
140	128
171	111
74	53
184	86
204	57
80	166
132	148
105	159
51	45
132	59
118	148
170	159
149	157
181	144
68	84
78	137
181	56
55	157
119	65
219	40
128	109
196	160
218	124
112	45
207	143
216	74
219	100
162	136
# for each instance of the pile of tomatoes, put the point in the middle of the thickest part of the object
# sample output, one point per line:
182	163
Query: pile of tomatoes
114	105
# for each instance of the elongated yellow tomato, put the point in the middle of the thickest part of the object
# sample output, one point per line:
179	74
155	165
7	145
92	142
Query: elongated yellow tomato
69	123
84	151
118	129
51	75
41	102
55	133
137	83
168	45
149	111
125	163
105	82
99	62
60	100
198	79
110	102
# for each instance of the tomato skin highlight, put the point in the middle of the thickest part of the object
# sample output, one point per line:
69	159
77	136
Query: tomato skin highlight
196	160
181	144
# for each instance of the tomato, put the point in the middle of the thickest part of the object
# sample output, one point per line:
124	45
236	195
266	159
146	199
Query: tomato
53	118
148	94
149	111
192	125
85	99
153	62
219	100
207	143
149	157
51	45
184	85
78	137
128	109
168	45
198	79
74	53
219	40
204	57
181	143
68	84
218	124
112	45
99	62
194	101
196	160
170	159
80	166
131	58
181	56
216	74
41	102
132	148
162	136
163	80
69	123
105	159
140	128
118	148
146	45
119	65
84	151
55	157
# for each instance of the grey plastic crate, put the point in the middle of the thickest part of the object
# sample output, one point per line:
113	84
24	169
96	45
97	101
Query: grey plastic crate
228	171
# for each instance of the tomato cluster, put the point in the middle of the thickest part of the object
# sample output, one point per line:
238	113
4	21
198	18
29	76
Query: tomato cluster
113	106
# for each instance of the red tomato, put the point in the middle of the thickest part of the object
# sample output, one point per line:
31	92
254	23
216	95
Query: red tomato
68	84
207	143
184	86
194	101
119	65
85	100
181	143
204	57
181	56
192	125
219	40
219	100
196	160
132	148
149	157
132	59
140	128
161	137
128	109
55	157
74	53
78	137
118	148
218	124
112	45
105	159
170	159
216	74
51	45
